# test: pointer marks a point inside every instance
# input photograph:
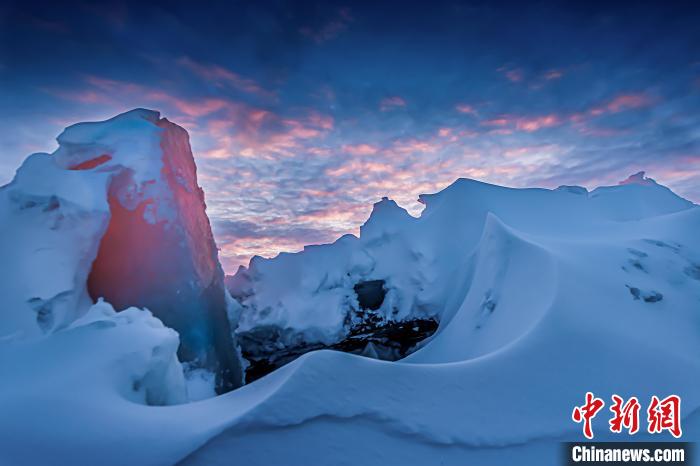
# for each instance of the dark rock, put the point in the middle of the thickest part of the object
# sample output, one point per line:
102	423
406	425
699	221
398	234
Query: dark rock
269	348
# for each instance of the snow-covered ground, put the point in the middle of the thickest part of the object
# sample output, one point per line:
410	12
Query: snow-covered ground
542	295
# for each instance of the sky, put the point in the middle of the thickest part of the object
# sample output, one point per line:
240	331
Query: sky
303	114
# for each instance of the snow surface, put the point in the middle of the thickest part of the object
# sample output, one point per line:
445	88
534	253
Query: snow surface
542	295
52	218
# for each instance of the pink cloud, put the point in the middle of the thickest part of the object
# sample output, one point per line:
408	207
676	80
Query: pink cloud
360	167
360	149
502	121
338	215
191	108
230	127
514	75
464	108
628	101
617	104
621	103
531	124
252	132
320	120
507	123
553	74
403	146
223	77
390	103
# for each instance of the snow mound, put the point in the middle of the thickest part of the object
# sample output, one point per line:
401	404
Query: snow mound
69	387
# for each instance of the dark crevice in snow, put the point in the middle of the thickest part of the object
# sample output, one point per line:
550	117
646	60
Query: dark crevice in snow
370	294
265	351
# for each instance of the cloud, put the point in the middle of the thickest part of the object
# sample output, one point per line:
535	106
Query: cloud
360	149
623	102
465	108
508	123
530	124
225	78
552	75
230	127
390	103
514	75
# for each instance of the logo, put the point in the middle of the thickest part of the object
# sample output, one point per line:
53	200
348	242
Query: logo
661	415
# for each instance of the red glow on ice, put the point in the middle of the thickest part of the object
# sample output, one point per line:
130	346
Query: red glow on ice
130	262
92	163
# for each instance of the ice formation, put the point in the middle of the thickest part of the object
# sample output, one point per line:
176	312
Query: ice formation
115	212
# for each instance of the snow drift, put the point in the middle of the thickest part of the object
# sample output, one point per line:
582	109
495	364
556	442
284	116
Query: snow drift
116	213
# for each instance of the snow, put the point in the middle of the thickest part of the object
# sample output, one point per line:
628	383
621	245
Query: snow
50	224
534	290
131	140
52	219
201	384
